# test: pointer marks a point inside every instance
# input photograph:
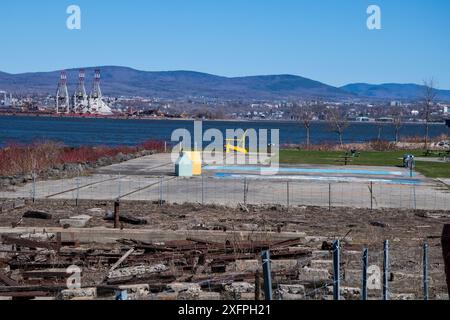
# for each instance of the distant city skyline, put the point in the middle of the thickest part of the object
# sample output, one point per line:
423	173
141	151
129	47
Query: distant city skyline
324	40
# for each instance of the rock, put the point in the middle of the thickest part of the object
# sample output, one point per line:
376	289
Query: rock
136	271
244	266
70	294
76	222
240	287
311	275
192	293
99	211
38	236
295	289
19	203
316	239
37	215
208	296
321	254
291	297
349	293
280	265
182	286
322	264
403	296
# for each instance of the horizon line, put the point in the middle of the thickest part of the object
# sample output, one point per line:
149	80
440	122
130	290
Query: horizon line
217	75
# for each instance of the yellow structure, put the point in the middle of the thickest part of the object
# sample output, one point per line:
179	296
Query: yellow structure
236	145
196	158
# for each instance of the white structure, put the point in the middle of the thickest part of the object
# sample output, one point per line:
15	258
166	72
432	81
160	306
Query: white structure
62	95
81	102
4	100
96	103
80	98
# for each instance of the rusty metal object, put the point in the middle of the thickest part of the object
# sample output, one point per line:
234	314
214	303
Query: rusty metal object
446	252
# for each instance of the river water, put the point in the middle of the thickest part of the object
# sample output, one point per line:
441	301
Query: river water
112	132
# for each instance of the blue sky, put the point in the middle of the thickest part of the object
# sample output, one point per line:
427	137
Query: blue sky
326	40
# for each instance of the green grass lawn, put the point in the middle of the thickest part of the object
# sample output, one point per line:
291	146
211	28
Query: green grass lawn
369	158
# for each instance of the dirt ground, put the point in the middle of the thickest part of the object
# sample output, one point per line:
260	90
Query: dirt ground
407	230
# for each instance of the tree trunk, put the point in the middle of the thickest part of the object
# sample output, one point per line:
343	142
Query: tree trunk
427	130
308	142
341	140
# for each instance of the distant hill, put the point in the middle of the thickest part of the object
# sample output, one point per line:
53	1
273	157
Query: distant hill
117	81
392	91
176	84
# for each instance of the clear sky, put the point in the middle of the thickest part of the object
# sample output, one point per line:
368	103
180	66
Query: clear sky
326	40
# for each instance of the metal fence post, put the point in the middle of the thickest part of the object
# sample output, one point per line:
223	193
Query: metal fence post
267	274
425	271
160	191
371	195
336	270
288	200
117	214
119	187
329	197
34	187
386	270
245	191
78	189
203	190
364	274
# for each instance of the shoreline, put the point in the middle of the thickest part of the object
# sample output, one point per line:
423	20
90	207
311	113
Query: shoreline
100	117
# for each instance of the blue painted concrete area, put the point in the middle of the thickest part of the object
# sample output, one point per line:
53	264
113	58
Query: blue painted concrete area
309	170
223	175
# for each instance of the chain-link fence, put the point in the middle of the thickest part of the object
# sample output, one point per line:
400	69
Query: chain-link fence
231	192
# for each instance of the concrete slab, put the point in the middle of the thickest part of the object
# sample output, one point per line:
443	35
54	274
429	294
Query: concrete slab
152	178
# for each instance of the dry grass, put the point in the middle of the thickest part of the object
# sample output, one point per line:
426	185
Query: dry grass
16	159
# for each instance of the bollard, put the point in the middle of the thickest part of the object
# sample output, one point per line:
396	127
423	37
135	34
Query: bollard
446	252
267	275
336	270
364	275
425	271
386	271
117	214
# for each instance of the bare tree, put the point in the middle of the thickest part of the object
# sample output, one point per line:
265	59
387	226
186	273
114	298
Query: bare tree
397	122
338	123
429	95
380	126
305	115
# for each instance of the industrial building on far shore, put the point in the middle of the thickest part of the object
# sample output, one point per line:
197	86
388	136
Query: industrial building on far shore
80	102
